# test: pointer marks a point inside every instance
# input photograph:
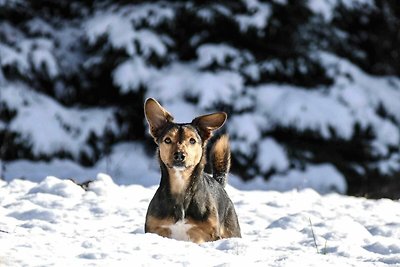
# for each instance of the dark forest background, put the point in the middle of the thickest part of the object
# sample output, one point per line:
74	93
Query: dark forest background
280	40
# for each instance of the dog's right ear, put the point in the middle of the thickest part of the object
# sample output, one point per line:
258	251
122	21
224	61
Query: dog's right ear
156	116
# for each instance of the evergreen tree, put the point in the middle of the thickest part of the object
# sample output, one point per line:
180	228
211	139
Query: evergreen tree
310	85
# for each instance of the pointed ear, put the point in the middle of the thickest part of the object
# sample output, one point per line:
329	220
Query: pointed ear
156	116
209	123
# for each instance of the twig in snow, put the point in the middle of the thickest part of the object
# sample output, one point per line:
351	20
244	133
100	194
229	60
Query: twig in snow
312	231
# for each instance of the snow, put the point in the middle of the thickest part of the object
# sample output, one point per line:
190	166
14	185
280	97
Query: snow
326	7
219	53
324	178
245	132
129	75
121	33
185	80
357	91
10	56
151	42
39	26
46	219
35	171
260	109
55	186
259	18
353	99
351	78
304	110
33	54
117	29
223	55
152	13
220	74
178	81
50	127
56	222
271	156
42	58
127	162
364	3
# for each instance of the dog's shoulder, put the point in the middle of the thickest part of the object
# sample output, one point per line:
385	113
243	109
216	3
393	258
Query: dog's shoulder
216	193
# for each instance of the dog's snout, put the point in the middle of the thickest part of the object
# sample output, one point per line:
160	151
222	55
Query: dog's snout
179	156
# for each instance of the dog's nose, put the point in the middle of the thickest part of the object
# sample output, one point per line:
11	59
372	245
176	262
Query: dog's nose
179	156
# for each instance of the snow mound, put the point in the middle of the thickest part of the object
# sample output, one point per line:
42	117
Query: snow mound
55	186
128	163
103	185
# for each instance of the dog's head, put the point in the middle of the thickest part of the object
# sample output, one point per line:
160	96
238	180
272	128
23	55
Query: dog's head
181	145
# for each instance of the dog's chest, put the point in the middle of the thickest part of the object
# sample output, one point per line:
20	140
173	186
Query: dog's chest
178	183
179	230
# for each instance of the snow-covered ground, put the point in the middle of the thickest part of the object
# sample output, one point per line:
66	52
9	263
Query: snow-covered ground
55	222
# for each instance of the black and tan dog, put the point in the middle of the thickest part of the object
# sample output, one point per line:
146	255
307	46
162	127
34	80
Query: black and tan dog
190	204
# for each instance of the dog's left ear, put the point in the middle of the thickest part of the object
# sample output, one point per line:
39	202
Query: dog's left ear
206	124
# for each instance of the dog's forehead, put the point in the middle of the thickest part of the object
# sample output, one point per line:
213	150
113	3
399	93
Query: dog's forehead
183	130
187	128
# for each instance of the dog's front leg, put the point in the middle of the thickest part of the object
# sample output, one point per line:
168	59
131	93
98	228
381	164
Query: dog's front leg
204	231
199	235
158	226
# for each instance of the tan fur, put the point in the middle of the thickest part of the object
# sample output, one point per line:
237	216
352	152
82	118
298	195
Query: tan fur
221	153
204	231
226	232
201	231
192	152
179	180
157	226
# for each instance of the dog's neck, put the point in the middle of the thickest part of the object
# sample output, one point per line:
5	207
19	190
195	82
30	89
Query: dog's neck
179	183
179	179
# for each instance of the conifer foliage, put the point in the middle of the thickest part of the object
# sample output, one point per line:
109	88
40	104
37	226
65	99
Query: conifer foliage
304	82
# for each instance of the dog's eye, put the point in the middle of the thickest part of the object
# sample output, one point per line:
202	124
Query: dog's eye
167	140
192	141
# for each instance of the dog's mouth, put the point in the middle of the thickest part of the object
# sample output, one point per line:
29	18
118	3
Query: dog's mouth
176	168
179	166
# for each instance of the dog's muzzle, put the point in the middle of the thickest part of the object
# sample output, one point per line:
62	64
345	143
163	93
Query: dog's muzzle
179	159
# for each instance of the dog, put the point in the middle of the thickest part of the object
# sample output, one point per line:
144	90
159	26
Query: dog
190	204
